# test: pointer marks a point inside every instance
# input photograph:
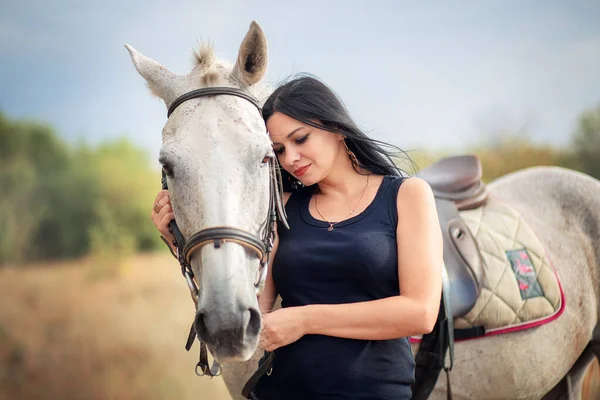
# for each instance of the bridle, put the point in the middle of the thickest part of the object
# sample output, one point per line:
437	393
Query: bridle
261	246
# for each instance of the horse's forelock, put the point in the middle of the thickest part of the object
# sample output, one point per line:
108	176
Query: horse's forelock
204	55
213	70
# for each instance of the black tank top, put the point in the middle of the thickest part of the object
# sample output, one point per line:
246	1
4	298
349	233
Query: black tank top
355	262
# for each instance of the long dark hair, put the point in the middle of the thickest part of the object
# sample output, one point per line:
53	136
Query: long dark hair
307	99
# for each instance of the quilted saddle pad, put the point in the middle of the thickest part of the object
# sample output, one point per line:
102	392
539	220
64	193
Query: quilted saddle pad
520	287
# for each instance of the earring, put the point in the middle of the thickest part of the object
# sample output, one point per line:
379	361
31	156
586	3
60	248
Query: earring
294	183
350	153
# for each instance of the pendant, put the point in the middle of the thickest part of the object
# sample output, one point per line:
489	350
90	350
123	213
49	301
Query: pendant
330	227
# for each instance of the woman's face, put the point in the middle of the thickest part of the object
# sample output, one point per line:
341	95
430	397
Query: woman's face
307	153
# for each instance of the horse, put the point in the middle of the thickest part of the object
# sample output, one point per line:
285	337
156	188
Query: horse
217	160
215	155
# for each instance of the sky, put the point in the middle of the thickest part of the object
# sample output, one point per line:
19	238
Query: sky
421	75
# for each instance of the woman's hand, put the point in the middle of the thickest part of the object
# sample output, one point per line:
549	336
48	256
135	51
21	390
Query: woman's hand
162	214
282	327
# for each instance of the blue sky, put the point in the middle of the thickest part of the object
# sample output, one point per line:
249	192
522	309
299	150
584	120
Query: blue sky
425	75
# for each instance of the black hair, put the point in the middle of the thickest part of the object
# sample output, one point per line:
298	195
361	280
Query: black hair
307	99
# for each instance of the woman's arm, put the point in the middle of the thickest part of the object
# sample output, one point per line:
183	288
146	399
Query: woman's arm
266	300
420	259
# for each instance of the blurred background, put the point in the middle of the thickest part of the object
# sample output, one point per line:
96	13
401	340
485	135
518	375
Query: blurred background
92	305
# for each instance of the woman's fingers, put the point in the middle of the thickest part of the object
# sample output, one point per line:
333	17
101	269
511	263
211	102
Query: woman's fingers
163	218
162	214
162	199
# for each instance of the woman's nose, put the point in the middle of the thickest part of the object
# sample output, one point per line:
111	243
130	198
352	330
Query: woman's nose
291	157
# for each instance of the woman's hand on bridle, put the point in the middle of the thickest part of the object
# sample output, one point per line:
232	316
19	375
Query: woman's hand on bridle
162	214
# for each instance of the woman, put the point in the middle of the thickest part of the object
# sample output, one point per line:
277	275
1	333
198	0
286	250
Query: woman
360	269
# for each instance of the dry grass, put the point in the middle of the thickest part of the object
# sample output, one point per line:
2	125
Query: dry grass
74	332
69	333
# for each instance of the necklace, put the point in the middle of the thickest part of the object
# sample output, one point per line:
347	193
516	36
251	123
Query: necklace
331	224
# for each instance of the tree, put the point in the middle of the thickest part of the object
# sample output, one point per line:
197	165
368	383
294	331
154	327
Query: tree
63	201
586	142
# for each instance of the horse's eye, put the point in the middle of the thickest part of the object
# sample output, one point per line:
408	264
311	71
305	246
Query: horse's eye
267	158
168	169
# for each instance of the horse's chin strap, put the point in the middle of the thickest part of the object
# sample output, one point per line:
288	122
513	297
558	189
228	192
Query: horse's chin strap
215	369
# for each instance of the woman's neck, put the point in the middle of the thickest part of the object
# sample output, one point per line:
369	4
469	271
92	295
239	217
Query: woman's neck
343	181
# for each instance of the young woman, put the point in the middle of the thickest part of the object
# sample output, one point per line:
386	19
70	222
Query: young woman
360	269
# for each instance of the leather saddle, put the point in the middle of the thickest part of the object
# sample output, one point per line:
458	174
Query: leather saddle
457	186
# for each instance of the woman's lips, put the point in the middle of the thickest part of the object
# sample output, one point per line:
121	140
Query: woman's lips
302	170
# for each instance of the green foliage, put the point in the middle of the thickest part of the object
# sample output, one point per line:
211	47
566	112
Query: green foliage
126	190
513	153
31	158
62	201
586	142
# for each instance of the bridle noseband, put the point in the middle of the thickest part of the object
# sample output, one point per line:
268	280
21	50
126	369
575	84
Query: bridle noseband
261	246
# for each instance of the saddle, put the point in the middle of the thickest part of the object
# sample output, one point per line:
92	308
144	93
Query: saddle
457	186
457	179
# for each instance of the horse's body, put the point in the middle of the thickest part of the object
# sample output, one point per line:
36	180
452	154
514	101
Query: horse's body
562	207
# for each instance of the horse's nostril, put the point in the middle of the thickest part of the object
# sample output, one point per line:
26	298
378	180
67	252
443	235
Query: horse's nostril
231	326
253	324
199	325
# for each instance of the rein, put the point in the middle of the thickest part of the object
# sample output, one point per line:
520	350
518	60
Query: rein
260	246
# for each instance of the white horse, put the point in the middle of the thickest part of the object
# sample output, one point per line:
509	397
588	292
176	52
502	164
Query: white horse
214	149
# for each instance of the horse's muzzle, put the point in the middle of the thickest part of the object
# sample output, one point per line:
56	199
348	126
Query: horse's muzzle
229	335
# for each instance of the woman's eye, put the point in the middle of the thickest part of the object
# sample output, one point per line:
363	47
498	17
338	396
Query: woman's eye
279	150
302	139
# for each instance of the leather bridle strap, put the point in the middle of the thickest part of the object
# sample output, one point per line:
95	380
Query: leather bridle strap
212	91
219	235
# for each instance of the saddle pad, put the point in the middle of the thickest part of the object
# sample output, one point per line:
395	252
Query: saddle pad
520	287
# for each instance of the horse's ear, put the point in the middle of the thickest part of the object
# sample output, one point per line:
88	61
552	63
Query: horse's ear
251	63
162	82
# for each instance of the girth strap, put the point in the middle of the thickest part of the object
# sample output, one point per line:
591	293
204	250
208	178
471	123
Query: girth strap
431	357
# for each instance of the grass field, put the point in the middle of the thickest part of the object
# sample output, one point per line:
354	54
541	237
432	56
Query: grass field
79	331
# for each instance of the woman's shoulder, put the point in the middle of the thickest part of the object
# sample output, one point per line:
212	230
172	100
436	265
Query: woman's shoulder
414	192
415	186
394	182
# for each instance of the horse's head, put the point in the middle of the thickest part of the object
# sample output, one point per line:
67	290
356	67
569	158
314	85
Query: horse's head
215	152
